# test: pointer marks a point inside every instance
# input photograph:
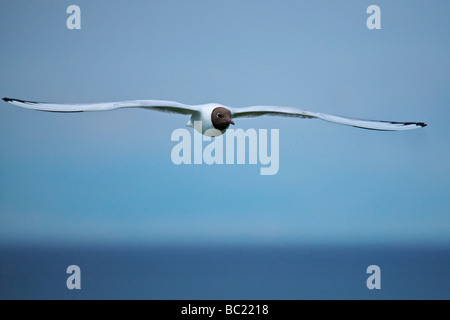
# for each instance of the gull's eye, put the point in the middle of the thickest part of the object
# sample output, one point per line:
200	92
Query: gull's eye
219	115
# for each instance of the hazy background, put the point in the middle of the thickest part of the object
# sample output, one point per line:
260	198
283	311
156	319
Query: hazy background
106	180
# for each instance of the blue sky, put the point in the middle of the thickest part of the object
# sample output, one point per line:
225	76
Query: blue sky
108	177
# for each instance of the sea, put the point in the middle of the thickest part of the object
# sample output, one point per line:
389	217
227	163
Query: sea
228	272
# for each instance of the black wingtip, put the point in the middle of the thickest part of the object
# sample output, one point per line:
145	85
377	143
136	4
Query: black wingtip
18	100
419	124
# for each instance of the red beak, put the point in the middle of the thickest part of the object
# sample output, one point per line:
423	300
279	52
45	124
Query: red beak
231	122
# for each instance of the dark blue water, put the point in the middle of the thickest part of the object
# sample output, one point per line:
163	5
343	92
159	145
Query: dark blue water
140	272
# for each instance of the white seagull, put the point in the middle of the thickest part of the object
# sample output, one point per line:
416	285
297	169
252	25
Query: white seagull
216	118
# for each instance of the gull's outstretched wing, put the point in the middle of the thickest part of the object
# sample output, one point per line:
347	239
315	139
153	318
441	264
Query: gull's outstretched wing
257	111
159	105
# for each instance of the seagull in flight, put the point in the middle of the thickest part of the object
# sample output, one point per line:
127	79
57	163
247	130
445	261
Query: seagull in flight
216	118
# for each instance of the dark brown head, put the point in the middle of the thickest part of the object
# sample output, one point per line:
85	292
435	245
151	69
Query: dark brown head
221	118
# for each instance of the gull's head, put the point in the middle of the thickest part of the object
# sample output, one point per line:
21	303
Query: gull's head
221	118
